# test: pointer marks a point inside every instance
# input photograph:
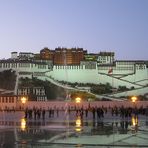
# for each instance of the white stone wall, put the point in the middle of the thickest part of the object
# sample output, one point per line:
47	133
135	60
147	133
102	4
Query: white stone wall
132	73
24	67
82	75
141	75
75	74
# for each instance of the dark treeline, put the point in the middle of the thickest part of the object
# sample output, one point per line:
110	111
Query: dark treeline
7	79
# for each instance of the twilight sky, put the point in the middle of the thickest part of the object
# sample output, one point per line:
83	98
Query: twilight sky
95	25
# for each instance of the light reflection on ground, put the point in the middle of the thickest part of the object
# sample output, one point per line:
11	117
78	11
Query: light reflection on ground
16	131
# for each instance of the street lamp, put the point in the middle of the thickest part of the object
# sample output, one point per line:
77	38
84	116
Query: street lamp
135	110
134	99
78	100
23	101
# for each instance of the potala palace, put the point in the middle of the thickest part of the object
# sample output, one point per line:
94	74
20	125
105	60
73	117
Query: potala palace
76	65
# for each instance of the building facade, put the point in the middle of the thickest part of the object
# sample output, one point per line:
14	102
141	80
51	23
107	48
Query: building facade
64	56
8	102
71	65
46	54
35	93
105	57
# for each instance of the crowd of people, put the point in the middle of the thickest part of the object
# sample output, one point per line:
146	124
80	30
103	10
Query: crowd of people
90	111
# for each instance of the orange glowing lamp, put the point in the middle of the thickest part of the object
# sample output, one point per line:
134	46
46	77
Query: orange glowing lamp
78	100
134	99
23	100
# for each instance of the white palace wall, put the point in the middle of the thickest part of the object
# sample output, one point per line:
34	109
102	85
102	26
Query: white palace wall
24	67
75	74
83	74
141	76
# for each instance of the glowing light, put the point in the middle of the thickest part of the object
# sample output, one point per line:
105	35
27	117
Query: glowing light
23	100
134	99
78	126
134	121
23	124
78	122
78	129
78	100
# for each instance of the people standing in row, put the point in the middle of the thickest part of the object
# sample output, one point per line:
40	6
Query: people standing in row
93	112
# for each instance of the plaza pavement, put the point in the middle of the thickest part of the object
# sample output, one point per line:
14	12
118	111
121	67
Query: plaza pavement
88	133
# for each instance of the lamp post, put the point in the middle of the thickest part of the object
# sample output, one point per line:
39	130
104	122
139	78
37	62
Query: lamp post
134	99
78	126
135	117
135	110
78	100
23	101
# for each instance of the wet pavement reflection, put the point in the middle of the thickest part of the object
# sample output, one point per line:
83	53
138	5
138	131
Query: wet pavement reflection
18	131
